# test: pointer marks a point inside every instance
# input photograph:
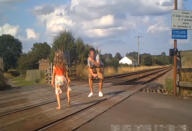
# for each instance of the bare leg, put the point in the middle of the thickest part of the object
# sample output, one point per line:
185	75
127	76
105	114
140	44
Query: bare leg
100	85
68	98
58	102
58	99
91	84
100	76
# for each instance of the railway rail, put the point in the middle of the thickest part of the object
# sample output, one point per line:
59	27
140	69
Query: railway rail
37	111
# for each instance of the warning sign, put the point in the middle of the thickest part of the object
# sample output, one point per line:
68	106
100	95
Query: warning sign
182	19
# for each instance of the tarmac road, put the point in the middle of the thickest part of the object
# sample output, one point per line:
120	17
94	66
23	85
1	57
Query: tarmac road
145	112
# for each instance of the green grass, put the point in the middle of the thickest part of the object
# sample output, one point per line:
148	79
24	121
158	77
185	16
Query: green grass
20	81
169	84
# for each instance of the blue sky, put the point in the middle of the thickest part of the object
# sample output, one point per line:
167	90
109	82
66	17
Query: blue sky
109	25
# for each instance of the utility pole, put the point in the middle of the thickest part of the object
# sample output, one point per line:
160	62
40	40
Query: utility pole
138	40
175	60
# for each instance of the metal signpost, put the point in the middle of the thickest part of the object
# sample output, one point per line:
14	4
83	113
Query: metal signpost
181	22
175	59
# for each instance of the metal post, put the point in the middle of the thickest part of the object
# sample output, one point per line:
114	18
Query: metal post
175	69
175	62
175	5
138	51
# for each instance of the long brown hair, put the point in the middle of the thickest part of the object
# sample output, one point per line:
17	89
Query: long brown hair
59	60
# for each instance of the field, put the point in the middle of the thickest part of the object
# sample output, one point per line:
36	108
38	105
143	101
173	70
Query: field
111	71
21	80
82	71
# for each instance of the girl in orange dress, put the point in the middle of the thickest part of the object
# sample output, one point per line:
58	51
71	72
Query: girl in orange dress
60	77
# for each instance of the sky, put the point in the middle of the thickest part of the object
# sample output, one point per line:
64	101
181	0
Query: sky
109	25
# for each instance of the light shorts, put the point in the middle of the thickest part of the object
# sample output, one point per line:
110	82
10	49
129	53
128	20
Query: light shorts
58	90
60	83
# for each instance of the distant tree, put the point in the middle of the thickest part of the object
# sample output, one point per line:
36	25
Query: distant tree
118	56
40	50
65	42
25	62
82	51
79	48
146	59
107	59
31	59
132	55
163	54
161	59
10	50
115	61
86	52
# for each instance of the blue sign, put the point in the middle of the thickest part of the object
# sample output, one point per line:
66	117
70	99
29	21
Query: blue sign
179	34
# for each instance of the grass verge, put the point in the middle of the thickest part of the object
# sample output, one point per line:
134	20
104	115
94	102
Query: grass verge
169	85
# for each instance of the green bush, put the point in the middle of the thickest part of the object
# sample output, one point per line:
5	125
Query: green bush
3	84
14	73
169	84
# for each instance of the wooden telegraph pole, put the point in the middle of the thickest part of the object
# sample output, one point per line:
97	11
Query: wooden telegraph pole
138	55
175	61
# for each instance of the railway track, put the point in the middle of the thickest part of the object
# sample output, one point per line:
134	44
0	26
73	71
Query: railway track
131	77
44	116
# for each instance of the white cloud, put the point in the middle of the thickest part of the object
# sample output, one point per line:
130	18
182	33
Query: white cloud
31	34
157	28
103	32
55	21
104	20
134	7
16	32
9	29
91	19
160	26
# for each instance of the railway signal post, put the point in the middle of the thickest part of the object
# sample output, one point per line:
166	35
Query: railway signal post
175	61
181	23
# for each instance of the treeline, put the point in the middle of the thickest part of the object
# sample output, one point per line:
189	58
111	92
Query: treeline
149	60
11	51
76	49
145	59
